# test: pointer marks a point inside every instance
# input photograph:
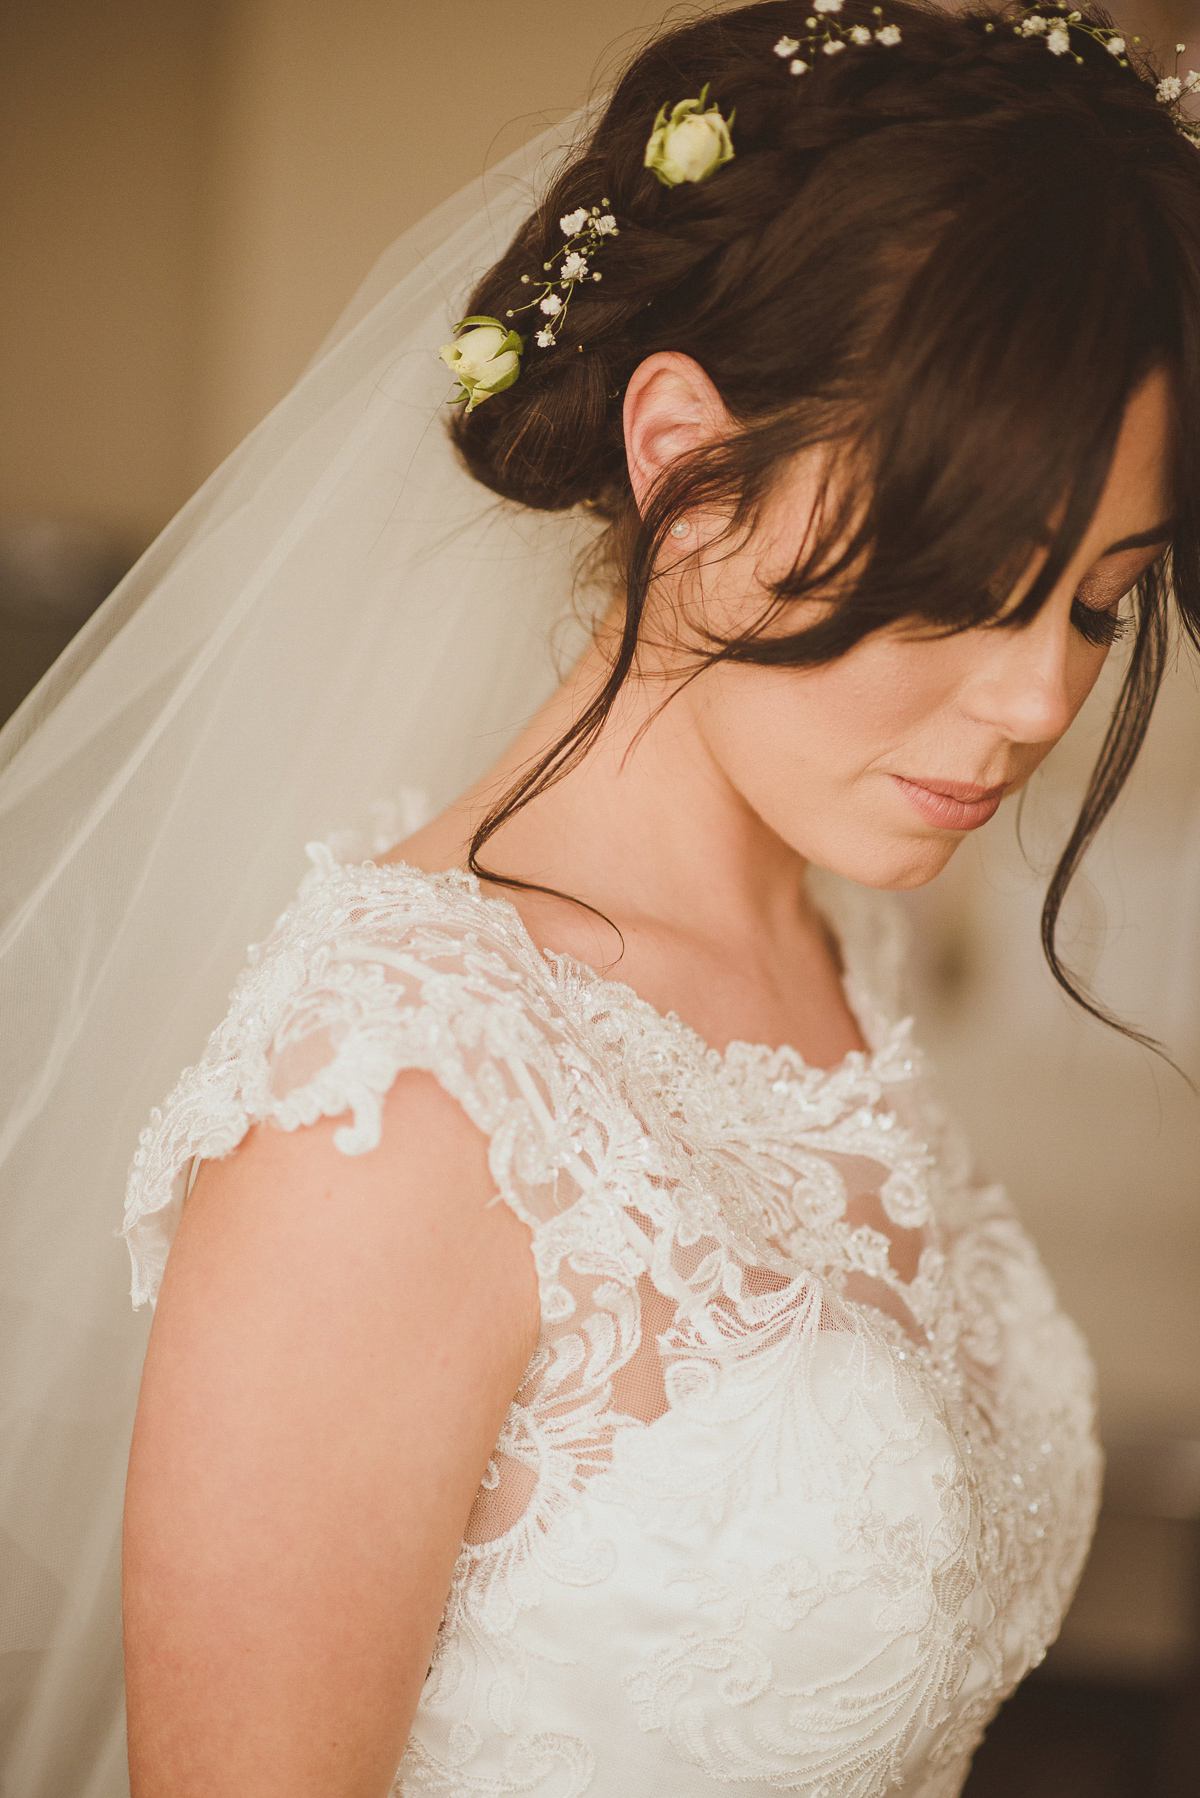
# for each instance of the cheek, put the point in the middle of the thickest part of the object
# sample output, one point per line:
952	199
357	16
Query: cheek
809	750
832	724
799	745
779	733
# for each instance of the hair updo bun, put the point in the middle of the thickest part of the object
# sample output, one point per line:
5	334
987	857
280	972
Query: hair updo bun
954	259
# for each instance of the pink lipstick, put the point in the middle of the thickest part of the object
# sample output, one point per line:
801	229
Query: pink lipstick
951	804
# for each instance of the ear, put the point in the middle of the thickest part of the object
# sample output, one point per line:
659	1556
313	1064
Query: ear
671	406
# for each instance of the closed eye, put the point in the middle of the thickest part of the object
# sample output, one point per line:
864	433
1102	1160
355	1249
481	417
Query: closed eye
1095	610
1097	626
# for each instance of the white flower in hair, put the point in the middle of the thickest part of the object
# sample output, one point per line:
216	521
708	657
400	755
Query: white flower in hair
827	5
606	226
1058	42
573	222
833	46
1115	46
1170	88
796	67
486	360
574	267
544	340
550	305
689	144
889	35
1034	27
859	34
787	46
1192	83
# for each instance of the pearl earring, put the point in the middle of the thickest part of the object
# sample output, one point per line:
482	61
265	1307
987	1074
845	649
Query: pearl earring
680	528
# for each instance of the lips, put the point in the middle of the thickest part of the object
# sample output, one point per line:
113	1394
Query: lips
951	804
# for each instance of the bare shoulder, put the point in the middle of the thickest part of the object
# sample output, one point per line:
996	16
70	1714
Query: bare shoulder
422	1201
337	1341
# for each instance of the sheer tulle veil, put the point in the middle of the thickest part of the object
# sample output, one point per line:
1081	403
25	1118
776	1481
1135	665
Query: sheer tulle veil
339	616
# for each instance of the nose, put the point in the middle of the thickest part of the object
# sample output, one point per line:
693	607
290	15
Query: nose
1023	688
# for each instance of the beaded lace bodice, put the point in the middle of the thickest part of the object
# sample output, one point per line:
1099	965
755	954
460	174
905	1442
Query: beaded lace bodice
801	1473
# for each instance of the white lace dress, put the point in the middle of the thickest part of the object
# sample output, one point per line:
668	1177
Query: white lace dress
802	1472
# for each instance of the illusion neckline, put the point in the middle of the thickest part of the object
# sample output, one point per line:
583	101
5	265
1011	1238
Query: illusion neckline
880	1034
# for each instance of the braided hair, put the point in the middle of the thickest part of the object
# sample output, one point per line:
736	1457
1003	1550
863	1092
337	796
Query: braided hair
952	262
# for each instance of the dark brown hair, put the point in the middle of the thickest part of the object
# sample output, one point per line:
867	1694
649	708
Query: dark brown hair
953	260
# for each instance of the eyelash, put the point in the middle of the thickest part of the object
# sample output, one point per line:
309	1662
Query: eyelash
1101	629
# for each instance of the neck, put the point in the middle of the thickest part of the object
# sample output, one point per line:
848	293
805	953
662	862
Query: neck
712	920
646	827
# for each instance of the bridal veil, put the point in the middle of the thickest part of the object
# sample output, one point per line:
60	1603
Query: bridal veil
340	615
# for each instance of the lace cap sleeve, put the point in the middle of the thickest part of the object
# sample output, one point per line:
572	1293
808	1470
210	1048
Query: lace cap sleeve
370	971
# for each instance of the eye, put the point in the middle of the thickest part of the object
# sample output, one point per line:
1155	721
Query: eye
1095	610
1096	626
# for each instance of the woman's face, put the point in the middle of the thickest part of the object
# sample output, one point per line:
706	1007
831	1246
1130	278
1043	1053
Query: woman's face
877	765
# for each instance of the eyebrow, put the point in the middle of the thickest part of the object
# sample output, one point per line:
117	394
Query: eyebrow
1143	539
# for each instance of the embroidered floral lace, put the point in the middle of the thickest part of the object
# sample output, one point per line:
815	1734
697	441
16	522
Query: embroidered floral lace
802	1471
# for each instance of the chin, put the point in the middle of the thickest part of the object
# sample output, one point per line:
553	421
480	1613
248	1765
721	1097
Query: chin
891	866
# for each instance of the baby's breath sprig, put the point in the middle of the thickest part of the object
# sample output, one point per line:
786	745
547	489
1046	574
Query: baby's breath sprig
1054	23
826	35
1171	91
584	232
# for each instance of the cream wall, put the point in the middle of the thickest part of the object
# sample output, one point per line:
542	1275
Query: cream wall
342	124
190	190
102	153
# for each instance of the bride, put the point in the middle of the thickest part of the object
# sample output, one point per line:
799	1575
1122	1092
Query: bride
585	1360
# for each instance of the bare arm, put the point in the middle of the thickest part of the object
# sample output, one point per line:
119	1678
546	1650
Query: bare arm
336	1345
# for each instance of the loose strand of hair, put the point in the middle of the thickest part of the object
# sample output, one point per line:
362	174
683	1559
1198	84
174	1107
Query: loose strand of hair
1119	750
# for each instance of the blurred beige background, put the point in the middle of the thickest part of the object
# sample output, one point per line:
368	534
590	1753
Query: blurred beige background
190	191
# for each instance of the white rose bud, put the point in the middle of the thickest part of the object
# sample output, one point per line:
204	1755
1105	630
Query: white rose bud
485	361
689	144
